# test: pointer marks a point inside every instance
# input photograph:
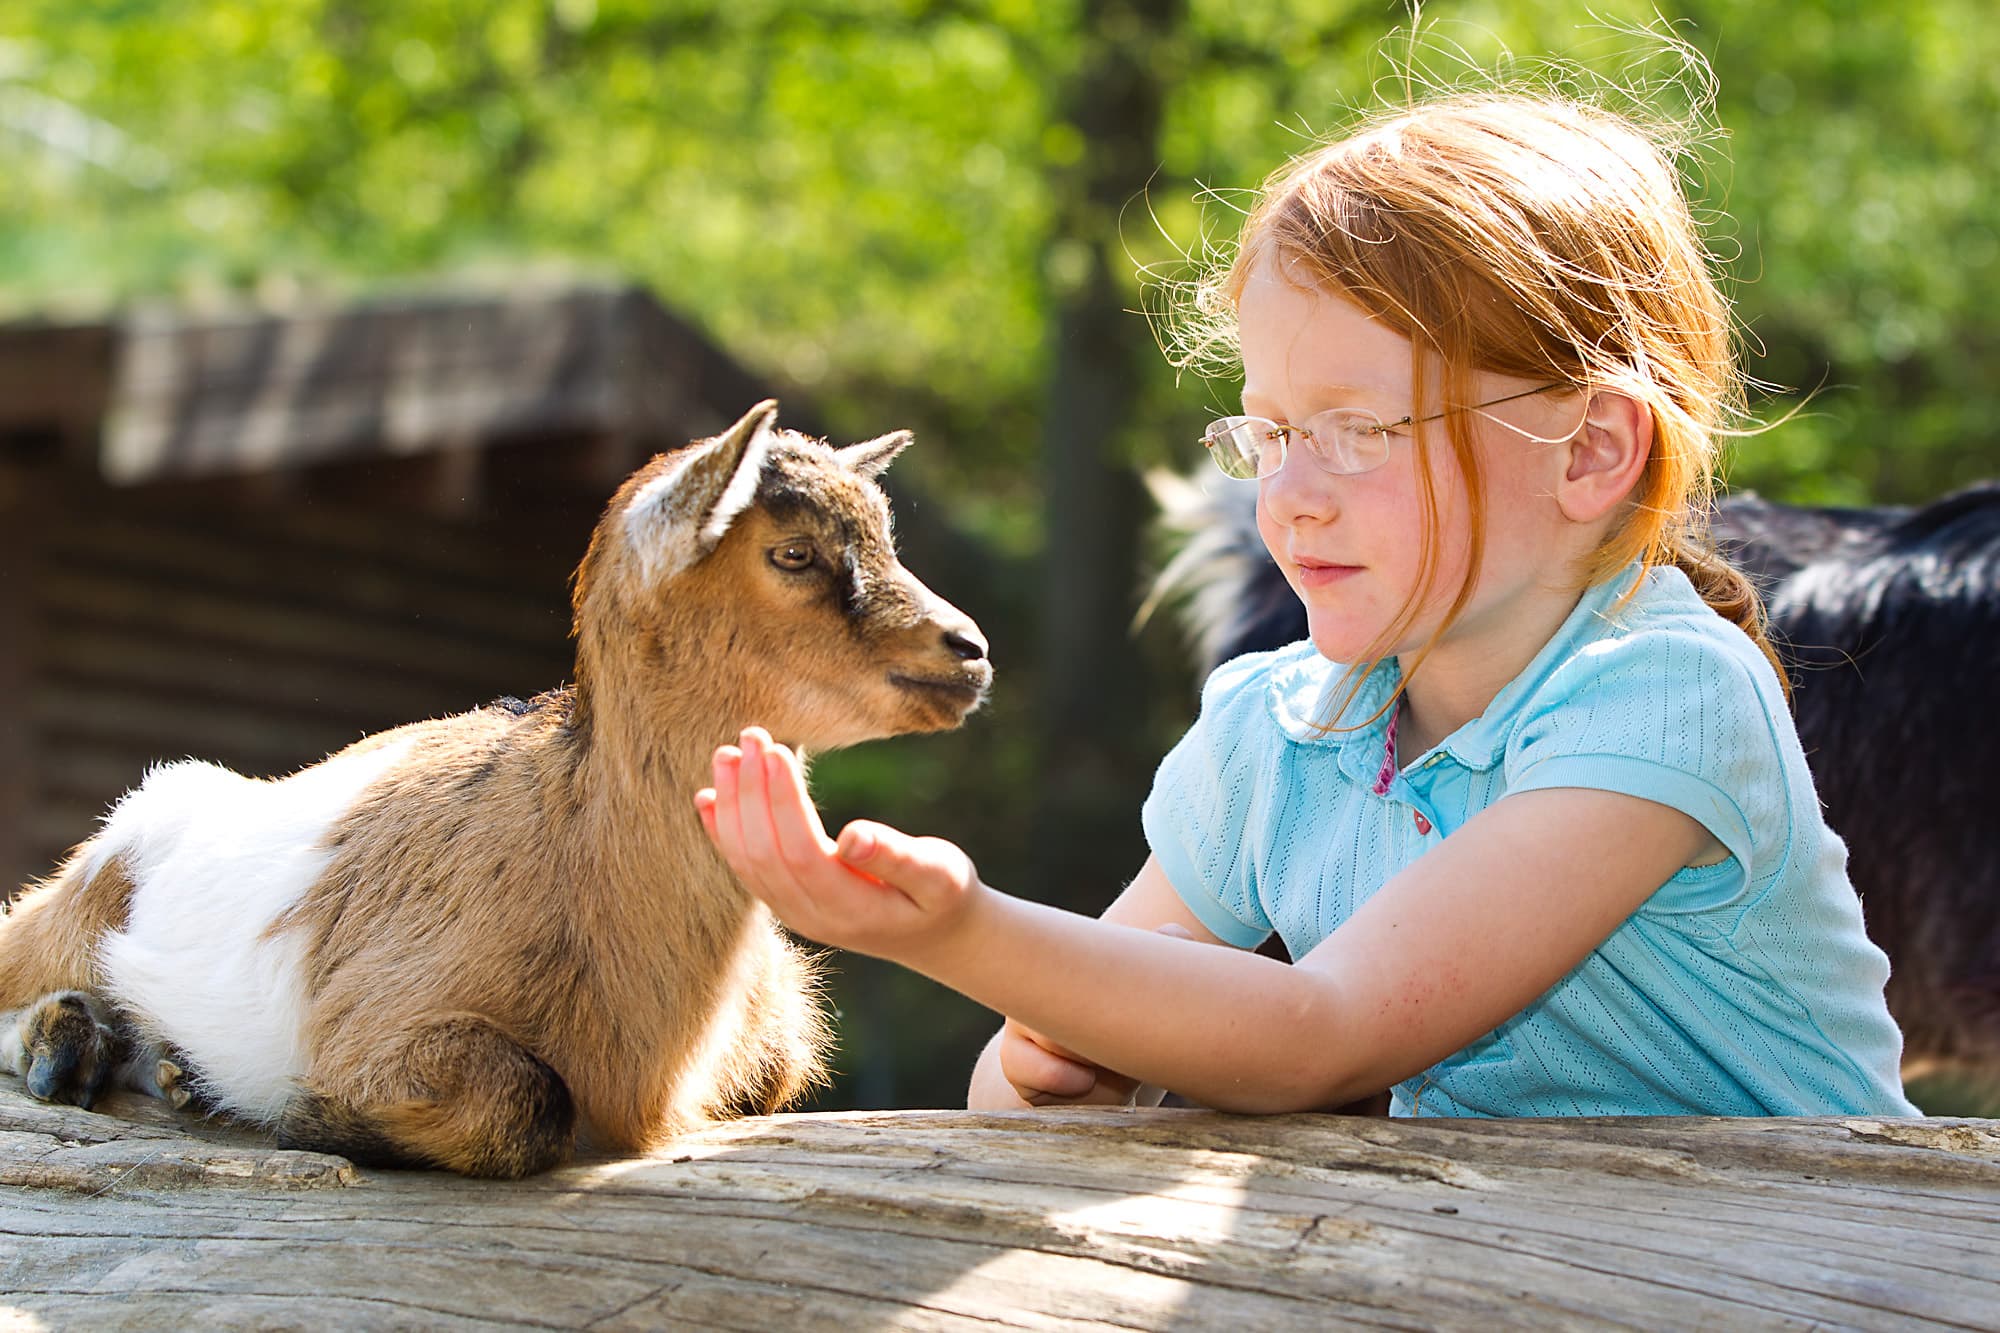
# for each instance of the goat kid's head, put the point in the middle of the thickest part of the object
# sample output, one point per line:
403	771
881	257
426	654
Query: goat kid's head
762	561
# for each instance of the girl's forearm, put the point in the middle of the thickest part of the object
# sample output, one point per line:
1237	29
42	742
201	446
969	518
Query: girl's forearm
1226	1028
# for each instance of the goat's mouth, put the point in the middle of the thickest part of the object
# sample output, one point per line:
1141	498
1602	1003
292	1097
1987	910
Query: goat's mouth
962	691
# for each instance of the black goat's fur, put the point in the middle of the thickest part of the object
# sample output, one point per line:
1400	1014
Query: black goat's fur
1888	620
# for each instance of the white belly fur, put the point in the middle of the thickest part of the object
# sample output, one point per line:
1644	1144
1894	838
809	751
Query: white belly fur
215	858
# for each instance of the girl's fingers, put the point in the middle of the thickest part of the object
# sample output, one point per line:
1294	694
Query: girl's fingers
1039	1075
804	852
927	870
800	834
786	855
754	796
875	884
728	805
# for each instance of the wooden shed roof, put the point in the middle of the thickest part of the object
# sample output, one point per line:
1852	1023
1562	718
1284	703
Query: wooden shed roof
182	396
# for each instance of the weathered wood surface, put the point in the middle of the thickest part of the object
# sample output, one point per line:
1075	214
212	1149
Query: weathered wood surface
1078	1219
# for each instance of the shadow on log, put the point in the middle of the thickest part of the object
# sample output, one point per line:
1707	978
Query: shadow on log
1167	1219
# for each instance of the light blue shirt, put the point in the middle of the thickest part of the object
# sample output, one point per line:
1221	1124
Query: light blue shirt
1748	987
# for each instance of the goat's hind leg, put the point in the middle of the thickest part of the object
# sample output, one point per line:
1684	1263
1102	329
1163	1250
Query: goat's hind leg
454	1092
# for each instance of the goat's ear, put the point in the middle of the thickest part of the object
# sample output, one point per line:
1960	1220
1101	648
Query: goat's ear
680	515
871	458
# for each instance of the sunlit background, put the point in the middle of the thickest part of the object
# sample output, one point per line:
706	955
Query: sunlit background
937	216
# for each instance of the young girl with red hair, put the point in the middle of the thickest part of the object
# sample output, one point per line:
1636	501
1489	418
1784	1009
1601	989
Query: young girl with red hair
1527	808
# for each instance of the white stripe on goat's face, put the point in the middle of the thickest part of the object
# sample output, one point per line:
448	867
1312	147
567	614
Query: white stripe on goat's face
783	547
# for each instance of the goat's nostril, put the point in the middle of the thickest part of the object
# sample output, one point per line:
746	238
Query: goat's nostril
966	644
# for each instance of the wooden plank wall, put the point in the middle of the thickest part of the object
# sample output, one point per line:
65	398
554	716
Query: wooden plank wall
265	636
18	526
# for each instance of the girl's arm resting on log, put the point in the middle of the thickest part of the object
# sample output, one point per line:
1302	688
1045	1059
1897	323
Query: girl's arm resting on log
1021	1067
1456	943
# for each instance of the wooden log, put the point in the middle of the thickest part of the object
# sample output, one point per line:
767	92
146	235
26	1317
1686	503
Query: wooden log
1052	1219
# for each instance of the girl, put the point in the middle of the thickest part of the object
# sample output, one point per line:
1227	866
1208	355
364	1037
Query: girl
1527	809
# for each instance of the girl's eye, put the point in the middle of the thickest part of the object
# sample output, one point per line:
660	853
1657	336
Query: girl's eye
793	556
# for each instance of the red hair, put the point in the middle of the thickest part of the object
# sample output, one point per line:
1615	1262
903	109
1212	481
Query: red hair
1541	239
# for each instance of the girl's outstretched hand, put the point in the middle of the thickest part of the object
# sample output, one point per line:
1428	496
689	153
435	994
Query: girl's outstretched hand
875	890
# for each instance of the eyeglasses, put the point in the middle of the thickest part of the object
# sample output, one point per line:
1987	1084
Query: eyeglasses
1345	440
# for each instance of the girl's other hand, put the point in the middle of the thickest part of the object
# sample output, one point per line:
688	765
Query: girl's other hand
1042	1073
875	890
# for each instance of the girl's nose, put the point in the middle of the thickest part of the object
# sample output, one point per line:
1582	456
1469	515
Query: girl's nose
1299	491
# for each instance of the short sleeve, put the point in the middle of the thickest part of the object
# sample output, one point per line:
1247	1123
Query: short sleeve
1677	716
1205	796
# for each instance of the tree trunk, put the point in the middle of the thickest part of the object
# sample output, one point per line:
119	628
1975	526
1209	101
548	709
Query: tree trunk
1051	1219
1094	756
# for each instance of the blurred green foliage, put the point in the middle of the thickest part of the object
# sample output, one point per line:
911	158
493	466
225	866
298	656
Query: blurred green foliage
865	200
857	196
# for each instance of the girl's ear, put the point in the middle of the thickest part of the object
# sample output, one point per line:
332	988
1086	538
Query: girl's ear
1605	457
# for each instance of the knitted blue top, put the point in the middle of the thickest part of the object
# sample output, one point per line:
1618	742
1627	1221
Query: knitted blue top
1747	987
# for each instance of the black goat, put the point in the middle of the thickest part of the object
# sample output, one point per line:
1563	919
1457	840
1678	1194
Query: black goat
1889	622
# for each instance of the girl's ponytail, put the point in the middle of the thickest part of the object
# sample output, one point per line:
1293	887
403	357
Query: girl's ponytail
1729	593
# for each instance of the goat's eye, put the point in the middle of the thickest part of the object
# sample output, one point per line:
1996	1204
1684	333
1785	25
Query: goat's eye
793	556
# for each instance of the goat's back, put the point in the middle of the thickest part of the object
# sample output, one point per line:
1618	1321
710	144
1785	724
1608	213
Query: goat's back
1892	642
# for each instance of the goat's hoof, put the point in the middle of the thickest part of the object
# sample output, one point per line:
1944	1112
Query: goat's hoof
67	1049
167	1077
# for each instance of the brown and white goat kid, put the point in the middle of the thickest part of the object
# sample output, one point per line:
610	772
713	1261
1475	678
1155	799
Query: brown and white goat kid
463	941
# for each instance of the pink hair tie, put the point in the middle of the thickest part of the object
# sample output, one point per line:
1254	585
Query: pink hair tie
1388	773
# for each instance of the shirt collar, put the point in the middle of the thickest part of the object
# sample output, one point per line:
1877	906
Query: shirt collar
1303	692
1305	688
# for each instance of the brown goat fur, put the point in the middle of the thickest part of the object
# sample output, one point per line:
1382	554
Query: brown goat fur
52	931
516	929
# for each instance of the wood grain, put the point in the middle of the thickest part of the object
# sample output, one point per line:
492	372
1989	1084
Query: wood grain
1055	1219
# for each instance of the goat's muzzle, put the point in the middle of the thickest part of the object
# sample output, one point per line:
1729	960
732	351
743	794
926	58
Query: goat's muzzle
958	681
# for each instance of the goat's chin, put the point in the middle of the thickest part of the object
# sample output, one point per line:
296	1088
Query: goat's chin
940	703
900	705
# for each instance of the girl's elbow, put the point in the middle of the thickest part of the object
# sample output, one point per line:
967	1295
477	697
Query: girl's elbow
1269	1101
1289	1090
1261	1101
1272	1076
1315	1025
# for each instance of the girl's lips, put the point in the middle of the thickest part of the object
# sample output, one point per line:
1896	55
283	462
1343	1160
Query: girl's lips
1319	574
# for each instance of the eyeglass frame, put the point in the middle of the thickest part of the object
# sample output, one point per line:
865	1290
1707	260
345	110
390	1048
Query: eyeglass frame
1280	431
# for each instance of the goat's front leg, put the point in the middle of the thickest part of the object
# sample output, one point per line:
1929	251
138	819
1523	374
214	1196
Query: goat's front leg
71	1046
785	1040
159	1070
453	1091
64	1046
